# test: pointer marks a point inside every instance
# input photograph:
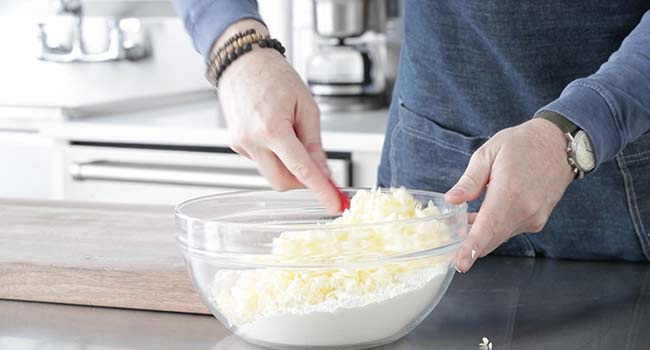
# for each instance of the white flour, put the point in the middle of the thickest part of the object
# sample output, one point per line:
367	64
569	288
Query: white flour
350	321
336	306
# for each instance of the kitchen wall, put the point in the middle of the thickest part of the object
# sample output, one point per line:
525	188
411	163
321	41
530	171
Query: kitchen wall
175	65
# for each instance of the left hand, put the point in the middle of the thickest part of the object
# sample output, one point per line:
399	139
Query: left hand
524	171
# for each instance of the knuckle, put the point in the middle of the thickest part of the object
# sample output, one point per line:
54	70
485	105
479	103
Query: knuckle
537	224
504	133
313	146
300	171
528	209
280	185
265	125
479	155
472	180
269	129
312	109
482	157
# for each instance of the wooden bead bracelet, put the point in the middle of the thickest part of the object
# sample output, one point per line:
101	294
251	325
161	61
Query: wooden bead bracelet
235	47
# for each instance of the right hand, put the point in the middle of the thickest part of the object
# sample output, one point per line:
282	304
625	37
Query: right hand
273	119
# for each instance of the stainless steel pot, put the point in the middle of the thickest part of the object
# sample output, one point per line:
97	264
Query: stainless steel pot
340	18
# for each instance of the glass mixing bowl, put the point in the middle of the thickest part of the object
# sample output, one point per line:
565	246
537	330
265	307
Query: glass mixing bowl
272	269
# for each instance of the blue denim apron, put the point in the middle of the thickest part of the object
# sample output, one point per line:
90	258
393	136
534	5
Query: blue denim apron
604	216
471	68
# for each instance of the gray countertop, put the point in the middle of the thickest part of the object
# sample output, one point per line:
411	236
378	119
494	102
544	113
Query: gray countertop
201	124
518	303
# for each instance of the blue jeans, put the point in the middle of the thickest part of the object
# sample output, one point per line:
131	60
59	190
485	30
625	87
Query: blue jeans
602	217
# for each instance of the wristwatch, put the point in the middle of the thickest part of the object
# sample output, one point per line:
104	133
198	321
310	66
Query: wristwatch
579	149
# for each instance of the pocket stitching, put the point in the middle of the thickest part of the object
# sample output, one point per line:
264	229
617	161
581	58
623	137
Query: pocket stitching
636	157
644	152
530	248
633	207
429	138
415	132
391	155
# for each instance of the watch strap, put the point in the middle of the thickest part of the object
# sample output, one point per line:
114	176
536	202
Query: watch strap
561	122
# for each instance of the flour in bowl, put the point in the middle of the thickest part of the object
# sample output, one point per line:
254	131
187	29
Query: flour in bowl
349	320
362	298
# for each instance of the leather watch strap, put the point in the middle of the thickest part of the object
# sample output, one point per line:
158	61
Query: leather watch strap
564	124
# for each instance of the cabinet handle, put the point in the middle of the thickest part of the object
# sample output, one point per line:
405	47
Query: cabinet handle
168	174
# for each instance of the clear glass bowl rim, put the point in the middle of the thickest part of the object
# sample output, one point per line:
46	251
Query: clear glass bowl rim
178	212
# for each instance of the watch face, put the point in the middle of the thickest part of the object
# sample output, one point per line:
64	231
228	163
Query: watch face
583	151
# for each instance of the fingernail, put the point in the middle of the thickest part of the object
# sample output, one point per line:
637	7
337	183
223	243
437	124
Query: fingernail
458	270
466	259
466	263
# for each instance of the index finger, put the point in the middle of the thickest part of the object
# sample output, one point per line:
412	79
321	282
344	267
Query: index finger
487	230
295	157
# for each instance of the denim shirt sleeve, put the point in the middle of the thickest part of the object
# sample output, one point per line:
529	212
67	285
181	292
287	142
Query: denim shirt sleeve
613	105
205	20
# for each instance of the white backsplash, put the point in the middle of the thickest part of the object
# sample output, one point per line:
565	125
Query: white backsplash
174	67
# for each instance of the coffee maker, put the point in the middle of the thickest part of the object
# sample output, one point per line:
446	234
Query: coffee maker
353	67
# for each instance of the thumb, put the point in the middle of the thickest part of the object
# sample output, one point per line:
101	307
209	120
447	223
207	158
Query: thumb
476	176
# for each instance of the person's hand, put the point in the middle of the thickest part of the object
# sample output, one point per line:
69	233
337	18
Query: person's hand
273	119
524	173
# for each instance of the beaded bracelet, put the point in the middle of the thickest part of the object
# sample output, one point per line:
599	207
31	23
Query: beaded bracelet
235	47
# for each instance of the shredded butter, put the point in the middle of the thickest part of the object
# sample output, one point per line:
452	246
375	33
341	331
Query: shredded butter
243	295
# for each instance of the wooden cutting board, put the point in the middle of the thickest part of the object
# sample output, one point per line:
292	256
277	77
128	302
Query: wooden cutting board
93	254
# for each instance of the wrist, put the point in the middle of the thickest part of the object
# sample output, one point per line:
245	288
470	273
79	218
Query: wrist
579	148
229	49
251	65
237	27
567	126
555	146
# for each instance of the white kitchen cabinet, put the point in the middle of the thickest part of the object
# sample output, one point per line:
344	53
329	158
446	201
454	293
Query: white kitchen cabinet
166	155
162	174
364	168
26	160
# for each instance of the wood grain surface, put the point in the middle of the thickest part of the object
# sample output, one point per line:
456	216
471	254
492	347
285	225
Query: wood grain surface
93	254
